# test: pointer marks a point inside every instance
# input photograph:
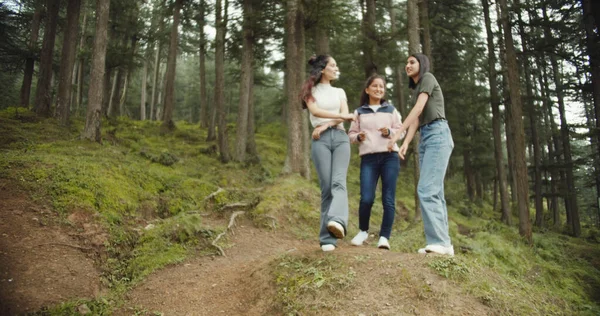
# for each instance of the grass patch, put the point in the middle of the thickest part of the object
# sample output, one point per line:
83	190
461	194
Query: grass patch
303	281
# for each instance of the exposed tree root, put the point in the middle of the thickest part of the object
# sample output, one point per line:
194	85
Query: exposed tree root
63	244
229	228
212	195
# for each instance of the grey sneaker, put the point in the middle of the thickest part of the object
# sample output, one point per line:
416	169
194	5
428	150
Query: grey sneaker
336	229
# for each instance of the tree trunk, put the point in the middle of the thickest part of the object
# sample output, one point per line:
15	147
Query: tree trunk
81	65
566	141
96	89
496	119
412	10
144	93
398	69
414	46
169	101
533	125
221	26
294	56
155	88
424	23
30	61
553	155
321	28
245	81
573	215
507	124
516	119
590	22
369	41
112	100
202	55
67	61
251	143
43	94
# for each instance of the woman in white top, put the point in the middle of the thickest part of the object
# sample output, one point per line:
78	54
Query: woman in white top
330	150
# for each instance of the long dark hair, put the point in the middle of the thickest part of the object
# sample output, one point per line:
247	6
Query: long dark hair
364	97
317	64
423	68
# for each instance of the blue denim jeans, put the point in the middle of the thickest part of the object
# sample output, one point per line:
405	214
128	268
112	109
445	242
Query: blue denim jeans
435	148
373	166
331	156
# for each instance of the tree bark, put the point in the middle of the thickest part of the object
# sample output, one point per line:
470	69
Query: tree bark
414	46
144	92
321	28
575	227
96	88
533	125
251	143
496	119
424	23
67	61
591	22
169	101
516	119
81	65
294	56
553	155
30	61
398	69
202	55
412	10
369	41
245	81
221	26
43	94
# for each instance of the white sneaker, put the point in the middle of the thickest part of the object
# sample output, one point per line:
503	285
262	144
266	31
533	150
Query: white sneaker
328	247
383	243
336	229
438	249
360	238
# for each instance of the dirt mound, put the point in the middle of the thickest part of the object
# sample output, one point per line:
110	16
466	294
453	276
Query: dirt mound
242	283
41	263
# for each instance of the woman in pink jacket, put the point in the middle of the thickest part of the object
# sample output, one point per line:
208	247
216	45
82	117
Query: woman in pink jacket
376	122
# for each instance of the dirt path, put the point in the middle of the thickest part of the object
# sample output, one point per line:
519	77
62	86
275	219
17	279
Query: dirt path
241	283
41	263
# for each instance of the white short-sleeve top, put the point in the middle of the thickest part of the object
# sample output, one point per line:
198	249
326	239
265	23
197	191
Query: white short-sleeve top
327	98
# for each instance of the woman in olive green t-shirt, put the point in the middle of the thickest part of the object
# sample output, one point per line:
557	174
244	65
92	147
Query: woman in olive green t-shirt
435	147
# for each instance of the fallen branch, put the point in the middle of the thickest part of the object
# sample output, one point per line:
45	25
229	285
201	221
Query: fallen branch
236	205
229	227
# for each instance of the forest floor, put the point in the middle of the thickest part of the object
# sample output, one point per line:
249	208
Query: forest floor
45	262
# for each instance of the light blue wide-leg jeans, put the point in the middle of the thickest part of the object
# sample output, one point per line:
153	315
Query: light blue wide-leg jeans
331	156
435	147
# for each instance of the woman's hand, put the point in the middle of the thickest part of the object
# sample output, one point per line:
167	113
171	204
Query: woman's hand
385	132
361	136
316	134
403	150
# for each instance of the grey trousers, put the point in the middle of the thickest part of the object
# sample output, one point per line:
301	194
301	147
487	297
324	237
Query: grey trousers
331	156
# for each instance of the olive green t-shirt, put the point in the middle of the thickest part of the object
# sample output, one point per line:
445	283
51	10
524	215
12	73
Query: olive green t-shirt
434	108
